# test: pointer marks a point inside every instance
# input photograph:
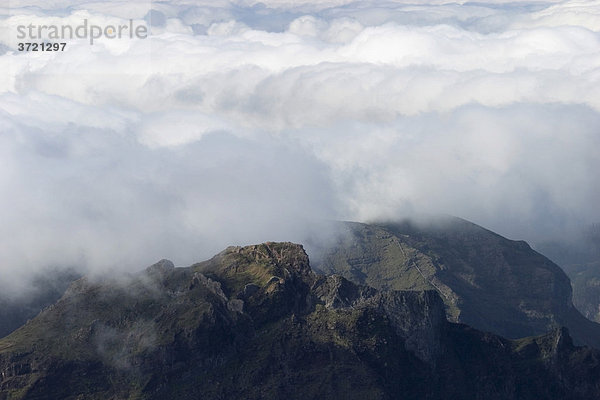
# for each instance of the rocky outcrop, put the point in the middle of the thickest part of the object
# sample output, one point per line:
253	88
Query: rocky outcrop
486	281
256	322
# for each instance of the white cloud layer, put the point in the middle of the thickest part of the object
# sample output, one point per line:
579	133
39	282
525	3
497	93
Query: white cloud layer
236	122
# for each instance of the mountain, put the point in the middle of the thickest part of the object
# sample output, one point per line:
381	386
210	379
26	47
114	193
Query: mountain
486	281
44	289
586	288
256	322
580	259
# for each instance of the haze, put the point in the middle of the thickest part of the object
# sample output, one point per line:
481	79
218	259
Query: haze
239	122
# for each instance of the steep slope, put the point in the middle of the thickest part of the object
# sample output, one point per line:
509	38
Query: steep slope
45	289
257	323
580	259
486	281
586	288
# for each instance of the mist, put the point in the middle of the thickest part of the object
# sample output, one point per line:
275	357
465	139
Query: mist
241	122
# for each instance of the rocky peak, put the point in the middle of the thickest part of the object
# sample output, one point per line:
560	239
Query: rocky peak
161	267
258	319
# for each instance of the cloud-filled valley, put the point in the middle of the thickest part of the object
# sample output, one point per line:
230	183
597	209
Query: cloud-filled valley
239	122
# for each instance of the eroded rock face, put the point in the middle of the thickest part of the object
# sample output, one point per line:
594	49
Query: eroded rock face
485	280
417	317
256	322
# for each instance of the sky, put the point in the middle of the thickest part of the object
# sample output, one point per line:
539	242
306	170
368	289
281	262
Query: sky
236	122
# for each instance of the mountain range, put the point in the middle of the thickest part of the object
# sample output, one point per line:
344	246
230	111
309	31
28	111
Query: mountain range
435	309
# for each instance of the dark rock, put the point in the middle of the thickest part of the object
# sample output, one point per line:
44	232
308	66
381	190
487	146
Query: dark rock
486	281
299	336
161	267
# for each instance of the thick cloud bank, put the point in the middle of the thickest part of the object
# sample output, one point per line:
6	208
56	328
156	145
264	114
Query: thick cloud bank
243	121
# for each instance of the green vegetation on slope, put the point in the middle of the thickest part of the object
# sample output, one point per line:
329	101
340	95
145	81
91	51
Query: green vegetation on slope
256	322
486	281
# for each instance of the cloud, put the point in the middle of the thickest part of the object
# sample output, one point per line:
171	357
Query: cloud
99	197
238	122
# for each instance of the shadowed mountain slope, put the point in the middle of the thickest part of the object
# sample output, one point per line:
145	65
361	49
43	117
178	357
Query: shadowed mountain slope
45	289
487	281
580	258
257	323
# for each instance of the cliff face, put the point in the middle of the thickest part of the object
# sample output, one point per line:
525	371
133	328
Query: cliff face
579	256
586	288
486	281
255	322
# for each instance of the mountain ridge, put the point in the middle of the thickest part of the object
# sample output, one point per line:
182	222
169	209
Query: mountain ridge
256	322
486	280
